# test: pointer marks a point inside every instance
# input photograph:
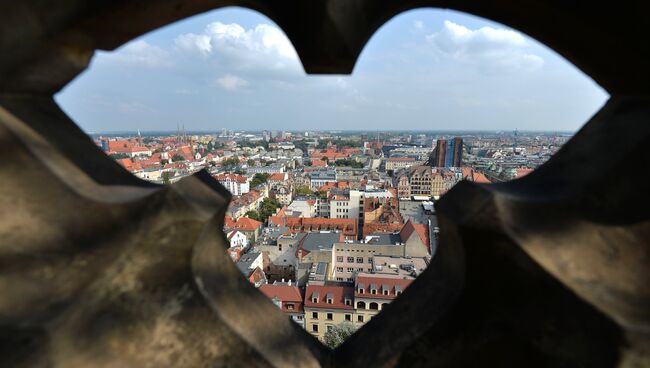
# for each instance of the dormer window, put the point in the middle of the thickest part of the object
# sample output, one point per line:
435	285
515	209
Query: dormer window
361	288
329	298
315	297
398	289
385	289
348	300
373	289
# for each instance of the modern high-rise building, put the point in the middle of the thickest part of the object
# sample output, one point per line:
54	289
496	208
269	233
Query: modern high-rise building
448	153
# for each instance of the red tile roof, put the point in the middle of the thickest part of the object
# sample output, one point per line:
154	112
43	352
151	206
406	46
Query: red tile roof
523	172
318	163
286	294
231	177
278	177
243	223
339	293
421	229
379	282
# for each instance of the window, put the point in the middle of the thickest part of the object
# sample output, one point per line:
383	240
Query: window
361	305
350	259
373	291
290	306
330	316
359	259
350	269
314	328
373	306
339	259
360	319
314	315
385	291
339	279
280	247
339	269
360	269
348	317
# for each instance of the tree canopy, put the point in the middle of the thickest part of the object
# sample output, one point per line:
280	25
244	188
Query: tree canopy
303	190
258	179
177	158
338	334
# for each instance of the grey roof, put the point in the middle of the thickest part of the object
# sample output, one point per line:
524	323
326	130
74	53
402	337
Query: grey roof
361	286
320	241
329	296
323	175
373	286
384	239
246	261
385	287
315	294
398	287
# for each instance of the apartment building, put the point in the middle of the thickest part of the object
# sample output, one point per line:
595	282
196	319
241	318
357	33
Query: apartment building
397	163
374	292
327	306
352	258
289	298
236	184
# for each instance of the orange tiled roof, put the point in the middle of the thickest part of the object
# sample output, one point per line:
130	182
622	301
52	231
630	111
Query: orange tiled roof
379	282
285	293
338	293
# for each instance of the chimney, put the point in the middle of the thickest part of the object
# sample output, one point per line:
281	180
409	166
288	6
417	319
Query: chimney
289	282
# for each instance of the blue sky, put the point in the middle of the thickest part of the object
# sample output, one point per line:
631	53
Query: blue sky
425	69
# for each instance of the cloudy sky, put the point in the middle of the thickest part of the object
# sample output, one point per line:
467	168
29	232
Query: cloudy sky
424	70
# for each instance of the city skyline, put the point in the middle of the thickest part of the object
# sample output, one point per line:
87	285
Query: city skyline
424	69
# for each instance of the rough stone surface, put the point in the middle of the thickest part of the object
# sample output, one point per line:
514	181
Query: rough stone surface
99	268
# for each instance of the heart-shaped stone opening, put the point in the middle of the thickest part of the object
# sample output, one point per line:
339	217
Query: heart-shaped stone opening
330	225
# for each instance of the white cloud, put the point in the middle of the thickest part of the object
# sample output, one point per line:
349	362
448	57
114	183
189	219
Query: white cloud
418	25
231	82
232	45
185	92
487	47
132	107
140	53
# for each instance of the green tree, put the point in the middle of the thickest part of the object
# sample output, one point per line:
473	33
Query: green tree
268	208
233	161
166	175
118	156
303	190
253	215
250	162
339	333
348	162
177	158
259	179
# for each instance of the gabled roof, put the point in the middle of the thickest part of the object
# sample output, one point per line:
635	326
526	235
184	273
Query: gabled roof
338	295
286	294
366	282
422	231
